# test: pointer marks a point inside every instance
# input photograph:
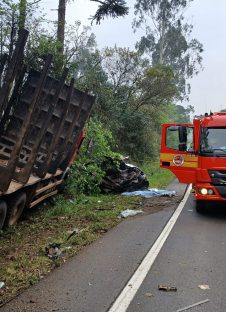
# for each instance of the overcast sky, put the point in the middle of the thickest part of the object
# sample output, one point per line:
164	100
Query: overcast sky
209	19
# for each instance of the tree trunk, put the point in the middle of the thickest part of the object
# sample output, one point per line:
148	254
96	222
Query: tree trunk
22	14
12	35
162	42
61	25
162	34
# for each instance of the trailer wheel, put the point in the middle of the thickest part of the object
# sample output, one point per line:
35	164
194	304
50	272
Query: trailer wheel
16	206
201	206
3	211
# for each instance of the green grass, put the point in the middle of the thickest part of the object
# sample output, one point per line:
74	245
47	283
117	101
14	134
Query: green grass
157	176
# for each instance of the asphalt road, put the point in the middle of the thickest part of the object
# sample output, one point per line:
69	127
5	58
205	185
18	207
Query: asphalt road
194	254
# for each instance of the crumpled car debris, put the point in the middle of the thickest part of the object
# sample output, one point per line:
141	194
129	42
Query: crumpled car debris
123	177
75	231
204	287
129	213
167	288
2	285
53	251
150	193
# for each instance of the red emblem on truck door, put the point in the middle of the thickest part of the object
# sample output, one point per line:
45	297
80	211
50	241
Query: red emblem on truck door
178	160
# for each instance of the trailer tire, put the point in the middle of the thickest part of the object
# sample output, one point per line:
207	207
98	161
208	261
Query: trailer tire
201	206
16	206
3	211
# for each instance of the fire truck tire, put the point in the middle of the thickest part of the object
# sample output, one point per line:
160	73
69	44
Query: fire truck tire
201	206
16	206
3	211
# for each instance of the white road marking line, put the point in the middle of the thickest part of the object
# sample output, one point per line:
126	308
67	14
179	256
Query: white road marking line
126	296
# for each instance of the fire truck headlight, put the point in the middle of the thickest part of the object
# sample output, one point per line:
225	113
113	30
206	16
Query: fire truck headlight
210	192
203	191
206	191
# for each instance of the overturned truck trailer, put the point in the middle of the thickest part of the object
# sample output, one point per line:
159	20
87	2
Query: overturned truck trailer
41	128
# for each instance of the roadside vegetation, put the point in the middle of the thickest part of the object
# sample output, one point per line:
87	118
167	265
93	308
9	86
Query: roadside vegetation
137	90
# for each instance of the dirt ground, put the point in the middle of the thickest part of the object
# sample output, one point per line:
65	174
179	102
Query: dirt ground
155	204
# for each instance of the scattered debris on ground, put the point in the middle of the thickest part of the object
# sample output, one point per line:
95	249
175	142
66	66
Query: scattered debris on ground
53	251
193	305
129	213
148	193
75	231
204	287
110	207
2	285
148	294
167	288
122	178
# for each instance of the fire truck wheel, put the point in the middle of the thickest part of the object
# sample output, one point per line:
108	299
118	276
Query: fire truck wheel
16	206
201	206
3	211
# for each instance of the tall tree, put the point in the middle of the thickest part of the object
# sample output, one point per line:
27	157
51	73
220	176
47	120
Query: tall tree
22	14
14	16
129	95
111	8
61	25
167	38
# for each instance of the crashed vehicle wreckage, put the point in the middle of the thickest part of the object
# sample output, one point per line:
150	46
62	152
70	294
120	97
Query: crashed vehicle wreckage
122	178
41	130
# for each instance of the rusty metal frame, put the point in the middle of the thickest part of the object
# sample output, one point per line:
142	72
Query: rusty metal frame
79	125
61	154
44	168
23	175
7	171
41	119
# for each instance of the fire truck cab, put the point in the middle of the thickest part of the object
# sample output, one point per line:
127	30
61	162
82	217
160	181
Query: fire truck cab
196	153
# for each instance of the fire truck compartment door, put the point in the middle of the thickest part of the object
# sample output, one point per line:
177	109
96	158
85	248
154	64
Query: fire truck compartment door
177	152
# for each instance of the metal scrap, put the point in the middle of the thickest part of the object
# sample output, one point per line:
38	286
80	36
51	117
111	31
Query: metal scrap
193	305
121	178
53	251
167	288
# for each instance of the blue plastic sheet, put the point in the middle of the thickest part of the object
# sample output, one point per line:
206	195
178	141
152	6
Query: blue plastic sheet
150	193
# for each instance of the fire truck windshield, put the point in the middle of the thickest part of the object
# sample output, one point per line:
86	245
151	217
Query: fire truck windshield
213	142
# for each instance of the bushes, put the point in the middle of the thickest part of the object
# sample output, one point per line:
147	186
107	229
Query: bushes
86	173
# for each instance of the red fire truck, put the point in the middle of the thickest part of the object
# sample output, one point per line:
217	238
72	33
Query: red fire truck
196	153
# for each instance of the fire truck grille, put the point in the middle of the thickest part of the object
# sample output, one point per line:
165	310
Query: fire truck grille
218	179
